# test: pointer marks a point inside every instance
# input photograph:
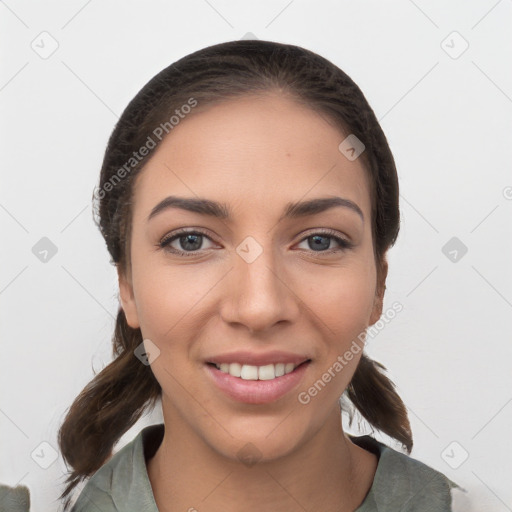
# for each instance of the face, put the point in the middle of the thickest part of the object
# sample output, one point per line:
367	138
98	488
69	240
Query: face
252	281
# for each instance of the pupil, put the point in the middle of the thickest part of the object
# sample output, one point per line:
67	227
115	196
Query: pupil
317	244
195	240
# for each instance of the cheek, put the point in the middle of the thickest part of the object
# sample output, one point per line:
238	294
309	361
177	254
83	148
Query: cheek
342	301
340	307
169	298
169	305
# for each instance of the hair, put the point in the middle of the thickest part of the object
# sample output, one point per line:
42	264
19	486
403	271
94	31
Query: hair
117	396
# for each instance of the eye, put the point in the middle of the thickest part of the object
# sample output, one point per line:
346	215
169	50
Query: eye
322	242
191	242
188	242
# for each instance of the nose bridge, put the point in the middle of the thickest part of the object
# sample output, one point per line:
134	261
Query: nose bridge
258	296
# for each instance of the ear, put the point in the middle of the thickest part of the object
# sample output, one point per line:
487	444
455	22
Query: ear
378	301
127	299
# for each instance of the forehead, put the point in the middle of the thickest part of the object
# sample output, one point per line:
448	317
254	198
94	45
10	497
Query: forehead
256	151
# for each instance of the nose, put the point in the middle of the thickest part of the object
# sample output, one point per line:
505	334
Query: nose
259	294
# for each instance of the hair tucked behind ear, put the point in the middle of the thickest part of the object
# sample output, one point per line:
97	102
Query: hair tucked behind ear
113	401
374	396
107	407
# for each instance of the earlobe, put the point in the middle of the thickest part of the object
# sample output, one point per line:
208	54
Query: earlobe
378	302
377	310
127	299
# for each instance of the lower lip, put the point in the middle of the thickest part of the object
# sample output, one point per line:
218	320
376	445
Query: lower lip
256	391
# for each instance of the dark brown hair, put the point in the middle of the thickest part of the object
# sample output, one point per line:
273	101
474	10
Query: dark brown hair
117	397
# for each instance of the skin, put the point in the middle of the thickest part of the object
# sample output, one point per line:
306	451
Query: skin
256	154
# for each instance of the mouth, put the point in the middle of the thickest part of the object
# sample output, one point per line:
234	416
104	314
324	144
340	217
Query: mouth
251	372
252	384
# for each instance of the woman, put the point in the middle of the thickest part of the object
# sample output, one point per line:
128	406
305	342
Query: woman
248	198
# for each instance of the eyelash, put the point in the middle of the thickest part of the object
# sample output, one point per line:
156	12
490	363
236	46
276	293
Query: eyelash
164	243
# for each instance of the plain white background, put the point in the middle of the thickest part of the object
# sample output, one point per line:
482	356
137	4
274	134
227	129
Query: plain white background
447	116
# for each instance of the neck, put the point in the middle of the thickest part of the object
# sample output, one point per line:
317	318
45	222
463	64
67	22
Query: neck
328	472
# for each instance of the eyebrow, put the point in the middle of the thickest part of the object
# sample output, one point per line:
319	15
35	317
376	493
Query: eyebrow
221	210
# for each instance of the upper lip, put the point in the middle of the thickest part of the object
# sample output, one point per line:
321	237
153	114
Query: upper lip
258	358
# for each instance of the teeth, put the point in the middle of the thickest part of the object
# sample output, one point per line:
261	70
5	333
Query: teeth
250	372
234	369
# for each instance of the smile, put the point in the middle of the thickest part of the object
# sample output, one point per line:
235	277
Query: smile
256	384
251	372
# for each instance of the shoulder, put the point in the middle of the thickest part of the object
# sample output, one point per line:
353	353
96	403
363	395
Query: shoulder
406	484
15	499
122	483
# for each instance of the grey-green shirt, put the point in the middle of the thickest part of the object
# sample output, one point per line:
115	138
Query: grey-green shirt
401	483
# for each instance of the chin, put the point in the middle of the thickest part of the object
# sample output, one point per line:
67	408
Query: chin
263	441
251	450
